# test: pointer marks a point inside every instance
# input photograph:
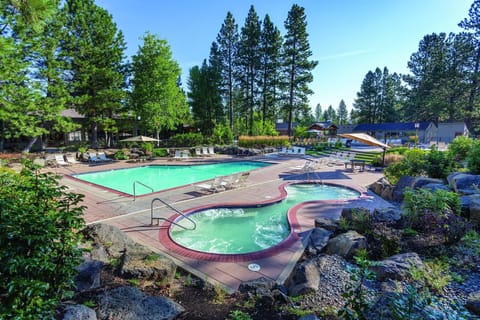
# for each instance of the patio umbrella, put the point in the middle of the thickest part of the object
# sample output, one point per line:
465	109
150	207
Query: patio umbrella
364	138
368	140
140	139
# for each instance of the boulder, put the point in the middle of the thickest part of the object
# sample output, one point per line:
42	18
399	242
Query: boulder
112	238
129	303
348	213
433	187
465	183
327	276
306	278
79	312
255	284
387	214
88	276
346	244
473	303
420	182
474	210
327	224
138	264
387	193
399	189
318	240
263	289
397	267
380	185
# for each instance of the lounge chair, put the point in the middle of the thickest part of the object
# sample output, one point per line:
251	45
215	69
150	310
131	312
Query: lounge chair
103	157
231	181
184	154
60	160
71	159
211	151
242	180
214	186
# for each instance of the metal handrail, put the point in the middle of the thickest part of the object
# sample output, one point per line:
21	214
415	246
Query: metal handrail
168	220
143	184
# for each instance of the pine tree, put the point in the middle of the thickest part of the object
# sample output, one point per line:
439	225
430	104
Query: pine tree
318	113
227	40
342	113
296	64
24	110
95	49
270	46
156	96
472	23
248	61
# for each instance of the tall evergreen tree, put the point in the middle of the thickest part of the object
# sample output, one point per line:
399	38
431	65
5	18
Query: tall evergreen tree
437	79
95	48
472	24
248	61
270	48
342	113
227	40
26	109
156	96
296	64
318	113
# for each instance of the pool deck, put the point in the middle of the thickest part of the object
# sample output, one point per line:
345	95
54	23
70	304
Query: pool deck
133	217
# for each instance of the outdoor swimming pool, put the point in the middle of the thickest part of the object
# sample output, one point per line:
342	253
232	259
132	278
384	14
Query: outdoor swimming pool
251	229
162	177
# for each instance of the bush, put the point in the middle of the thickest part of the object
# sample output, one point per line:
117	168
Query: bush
186	140
222	134
460	147
38	240
262	141
439	164
160	152
121	155
413	163
473	158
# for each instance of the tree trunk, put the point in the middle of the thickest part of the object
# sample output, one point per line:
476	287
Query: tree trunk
94	135
30	145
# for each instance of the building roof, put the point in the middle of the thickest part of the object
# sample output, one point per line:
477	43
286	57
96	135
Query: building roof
327	125
71	113
392	126
283	126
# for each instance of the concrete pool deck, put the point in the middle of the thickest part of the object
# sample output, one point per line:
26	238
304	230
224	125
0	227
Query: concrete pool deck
133	217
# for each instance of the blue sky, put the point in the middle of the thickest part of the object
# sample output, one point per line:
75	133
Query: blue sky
347	37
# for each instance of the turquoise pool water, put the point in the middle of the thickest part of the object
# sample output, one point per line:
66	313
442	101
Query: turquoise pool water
245	230
162	177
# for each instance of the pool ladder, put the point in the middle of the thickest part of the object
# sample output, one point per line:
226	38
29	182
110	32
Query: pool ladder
168	220
134	190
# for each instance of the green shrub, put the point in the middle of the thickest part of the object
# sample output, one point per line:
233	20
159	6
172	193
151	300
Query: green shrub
186	140
120	155
473	158
413	163
419	202
222	134
439	164
160	152
460	147
147	146
39	243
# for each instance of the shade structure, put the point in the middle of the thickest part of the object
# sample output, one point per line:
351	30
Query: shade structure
364	138
140	139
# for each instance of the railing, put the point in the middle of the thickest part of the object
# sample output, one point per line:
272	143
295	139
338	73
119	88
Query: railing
168	220
140	183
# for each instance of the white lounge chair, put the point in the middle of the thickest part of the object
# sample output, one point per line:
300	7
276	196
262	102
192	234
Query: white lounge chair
60	160
184	154
205	151
71	159
103	157
214	186
211	151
